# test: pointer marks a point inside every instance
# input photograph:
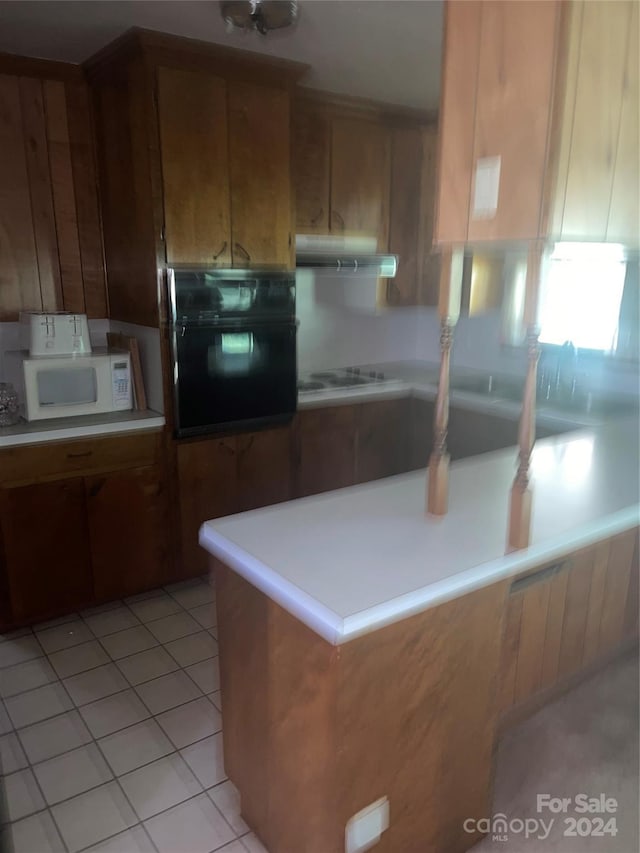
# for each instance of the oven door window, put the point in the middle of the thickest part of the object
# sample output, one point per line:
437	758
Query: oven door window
67	386
227	375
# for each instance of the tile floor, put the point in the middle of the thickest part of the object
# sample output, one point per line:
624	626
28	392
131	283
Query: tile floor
110	731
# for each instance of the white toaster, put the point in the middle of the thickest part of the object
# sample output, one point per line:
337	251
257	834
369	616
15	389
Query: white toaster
55	333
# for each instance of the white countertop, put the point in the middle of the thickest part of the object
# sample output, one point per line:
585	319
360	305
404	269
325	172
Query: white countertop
348	562
66	429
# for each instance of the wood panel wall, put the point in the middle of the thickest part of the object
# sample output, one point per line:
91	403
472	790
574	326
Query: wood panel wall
51	255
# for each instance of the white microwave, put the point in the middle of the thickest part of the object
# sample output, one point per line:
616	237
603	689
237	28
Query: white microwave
65	386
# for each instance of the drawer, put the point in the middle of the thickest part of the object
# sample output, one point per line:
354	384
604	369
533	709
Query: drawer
84	456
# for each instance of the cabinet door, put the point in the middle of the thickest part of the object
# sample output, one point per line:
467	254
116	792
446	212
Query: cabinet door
360	179
259	161
383	439
405	223
326	449
472	432
208	488
422	414
311	165
264	468
128	531
192	112
46	548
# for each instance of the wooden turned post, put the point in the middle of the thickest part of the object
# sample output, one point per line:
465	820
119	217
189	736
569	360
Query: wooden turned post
437	498
521	495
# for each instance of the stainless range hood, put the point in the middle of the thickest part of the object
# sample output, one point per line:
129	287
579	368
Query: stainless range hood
343	256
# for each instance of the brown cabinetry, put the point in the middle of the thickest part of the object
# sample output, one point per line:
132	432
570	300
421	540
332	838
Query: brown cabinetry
567	616
81	522
544	98
361	170
383	439
326	449
472	432
225	170
50	238
194	157
221	476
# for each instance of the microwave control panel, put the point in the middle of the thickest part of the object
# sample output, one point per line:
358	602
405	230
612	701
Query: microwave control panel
121	385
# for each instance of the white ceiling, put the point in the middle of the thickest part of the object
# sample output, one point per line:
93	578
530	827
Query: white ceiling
388	50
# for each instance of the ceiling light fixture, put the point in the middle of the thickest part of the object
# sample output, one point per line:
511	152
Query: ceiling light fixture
260	15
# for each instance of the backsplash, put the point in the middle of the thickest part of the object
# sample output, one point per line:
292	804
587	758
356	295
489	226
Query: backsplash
148	341
334	336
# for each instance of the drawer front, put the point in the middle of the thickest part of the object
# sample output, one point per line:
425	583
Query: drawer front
63	458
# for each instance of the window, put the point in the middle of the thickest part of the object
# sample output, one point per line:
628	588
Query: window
580	296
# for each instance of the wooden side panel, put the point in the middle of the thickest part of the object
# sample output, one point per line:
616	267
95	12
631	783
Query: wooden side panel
633	595
311	156
457	120
360	179
208	488
126	203
616	590
64	202
405	213
423	732
513	112
596	602
383	440
192	112
60	544
429	275
575	613
244	679
624	213
259	164
127	516
44	223
19	282
81	140
510	648
535	612
553	631
304	753
596	120
264	468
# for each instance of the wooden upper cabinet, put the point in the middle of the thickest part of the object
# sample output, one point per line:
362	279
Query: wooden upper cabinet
597	189
360	179
311	159
192	114
50	241
539	122
259	169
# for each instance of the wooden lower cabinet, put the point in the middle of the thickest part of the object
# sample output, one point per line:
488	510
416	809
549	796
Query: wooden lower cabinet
46	549
383	440
567	616
221	476
98	533
472	432
326	449
127	512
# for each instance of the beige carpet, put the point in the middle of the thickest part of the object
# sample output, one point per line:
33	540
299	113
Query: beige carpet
584	743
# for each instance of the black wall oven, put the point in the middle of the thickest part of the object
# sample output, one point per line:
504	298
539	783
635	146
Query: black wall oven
233	336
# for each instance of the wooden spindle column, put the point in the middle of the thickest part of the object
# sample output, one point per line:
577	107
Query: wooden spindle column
449	311
521	494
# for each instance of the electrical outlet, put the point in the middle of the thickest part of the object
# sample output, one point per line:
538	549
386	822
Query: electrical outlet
364	828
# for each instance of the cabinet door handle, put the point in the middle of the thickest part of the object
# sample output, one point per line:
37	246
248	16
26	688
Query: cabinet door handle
315	219
340	221
242	251
222	248
83	455
539	577
96	488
